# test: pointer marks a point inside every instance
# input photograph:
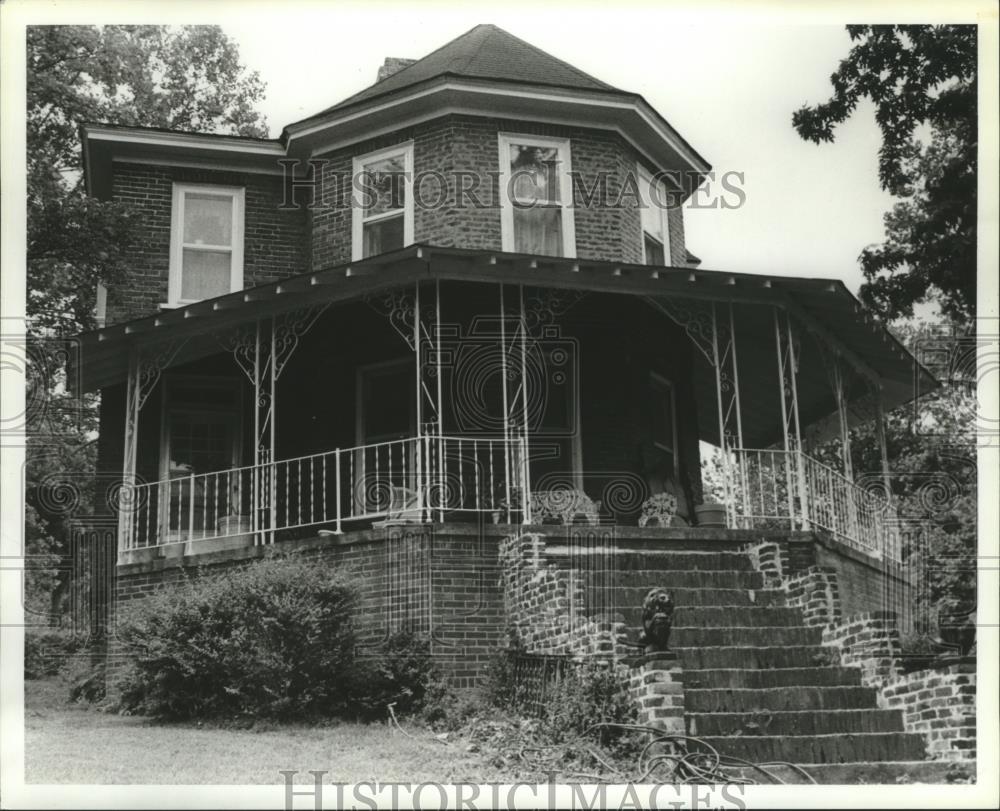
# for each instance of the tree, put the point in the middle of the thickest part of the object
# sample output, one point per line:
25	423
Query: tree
922	81
187	78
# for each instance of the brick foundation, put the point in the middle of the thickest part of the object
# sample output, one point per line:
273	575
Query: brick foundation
941	704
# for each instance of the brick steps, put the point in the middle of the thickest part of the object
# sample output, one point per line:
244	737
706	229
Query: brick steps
737	635
793	722
758	683
774	677
750	699
635	579
760	657
655	559
836	748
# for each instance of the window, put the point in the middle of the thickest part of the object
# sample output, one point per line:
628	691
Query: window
536	196
382	218
655	229
206	254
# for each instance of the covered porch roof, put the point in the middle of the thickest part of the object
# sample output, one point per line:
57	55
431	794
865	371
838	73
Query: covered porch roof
825	309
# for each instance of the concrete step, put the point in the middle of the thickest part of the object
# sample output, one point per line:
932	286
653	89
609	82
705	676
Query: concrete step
631	557
645	579
752	699
777	677
837	748
760	657
793	722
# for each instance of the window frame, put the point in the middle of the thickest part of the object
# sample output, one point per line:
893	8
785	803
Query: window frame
646	178
237	195
567	219
358	219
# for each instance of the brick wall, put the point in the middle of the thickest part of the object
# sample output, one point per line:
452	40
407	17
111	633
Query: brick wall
464	144
276	244
869	641
941	704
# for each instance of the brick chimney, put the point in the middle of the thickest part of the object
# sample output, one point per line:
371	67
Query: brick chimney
392	64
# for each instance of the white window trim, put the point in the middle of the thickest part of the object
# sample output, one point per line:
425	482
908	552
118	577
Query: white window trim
506	139
238	196
646	184
357	211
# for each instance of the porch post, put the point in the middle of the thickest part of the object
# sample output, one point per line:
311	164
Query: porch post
127	499
440	410
790	430
525	456
726	474
505	411
418	377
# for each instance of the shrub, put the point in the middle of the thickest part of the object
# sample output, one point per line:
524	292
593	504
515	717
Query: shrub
592	692
271	639
401	675
46	651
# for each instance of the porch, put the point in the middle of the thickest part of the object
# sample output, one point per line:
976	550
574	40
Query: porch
450	386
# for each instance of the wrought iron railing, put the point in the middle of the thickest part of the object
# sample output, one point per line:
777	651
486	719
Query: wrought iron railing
420	478
536	677
790	490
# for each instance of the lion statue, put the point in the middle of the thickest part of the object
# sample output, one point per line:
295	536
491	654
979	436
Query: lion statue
657	619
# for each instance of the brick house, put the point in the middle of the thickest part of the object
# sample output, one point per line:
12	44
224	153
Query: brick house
456	309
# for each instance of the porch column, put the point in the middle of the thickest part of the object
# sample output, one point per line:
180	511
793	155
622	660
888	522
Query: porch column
505	410
727	387
418	377
790	428
127	499
525	449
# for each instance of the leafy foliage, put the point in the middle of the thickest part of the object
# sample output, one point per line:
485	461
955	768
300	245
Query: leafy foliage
400	675
272	639
916	76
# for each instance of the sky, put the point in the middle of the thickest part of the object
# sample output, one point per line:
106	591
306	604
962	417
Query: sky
728	85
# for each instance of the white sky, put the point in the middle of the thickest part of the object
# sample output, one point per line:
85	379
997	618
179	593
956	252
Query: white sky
728	86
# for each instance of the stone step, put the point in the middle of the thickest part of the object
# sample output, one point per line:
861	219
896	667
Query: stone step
760	657
777	677
838	748
670	579
793	722
624	556
714	616
732	637
751	699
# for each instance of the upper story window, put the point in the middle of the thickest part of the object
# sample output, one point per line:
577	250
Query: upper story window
206	242
536	196
655	229
383	203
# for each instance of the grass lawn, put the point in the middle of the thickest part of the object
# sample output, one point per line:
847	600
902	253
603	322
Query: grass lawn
65	743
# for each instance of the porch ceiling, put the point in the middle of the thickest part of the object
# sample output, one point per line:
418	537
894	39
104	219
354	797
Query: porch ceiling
825	307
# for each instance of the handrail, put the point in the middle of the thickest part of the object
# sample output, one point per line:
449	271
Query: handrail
404	478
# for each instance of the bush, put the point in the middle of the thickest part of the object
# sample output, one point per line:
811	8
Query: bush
271	639
591	693
46	651
400	675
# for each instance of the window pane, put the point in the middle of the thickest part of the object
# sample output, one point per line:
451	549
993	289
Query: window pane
534	171
205	274
208	219
652	211
388	403
383	235
654	251
538	230
384	185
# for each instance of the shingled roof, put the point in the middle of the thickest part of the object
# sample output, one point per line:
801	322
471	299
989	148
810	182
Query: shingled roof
485	52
